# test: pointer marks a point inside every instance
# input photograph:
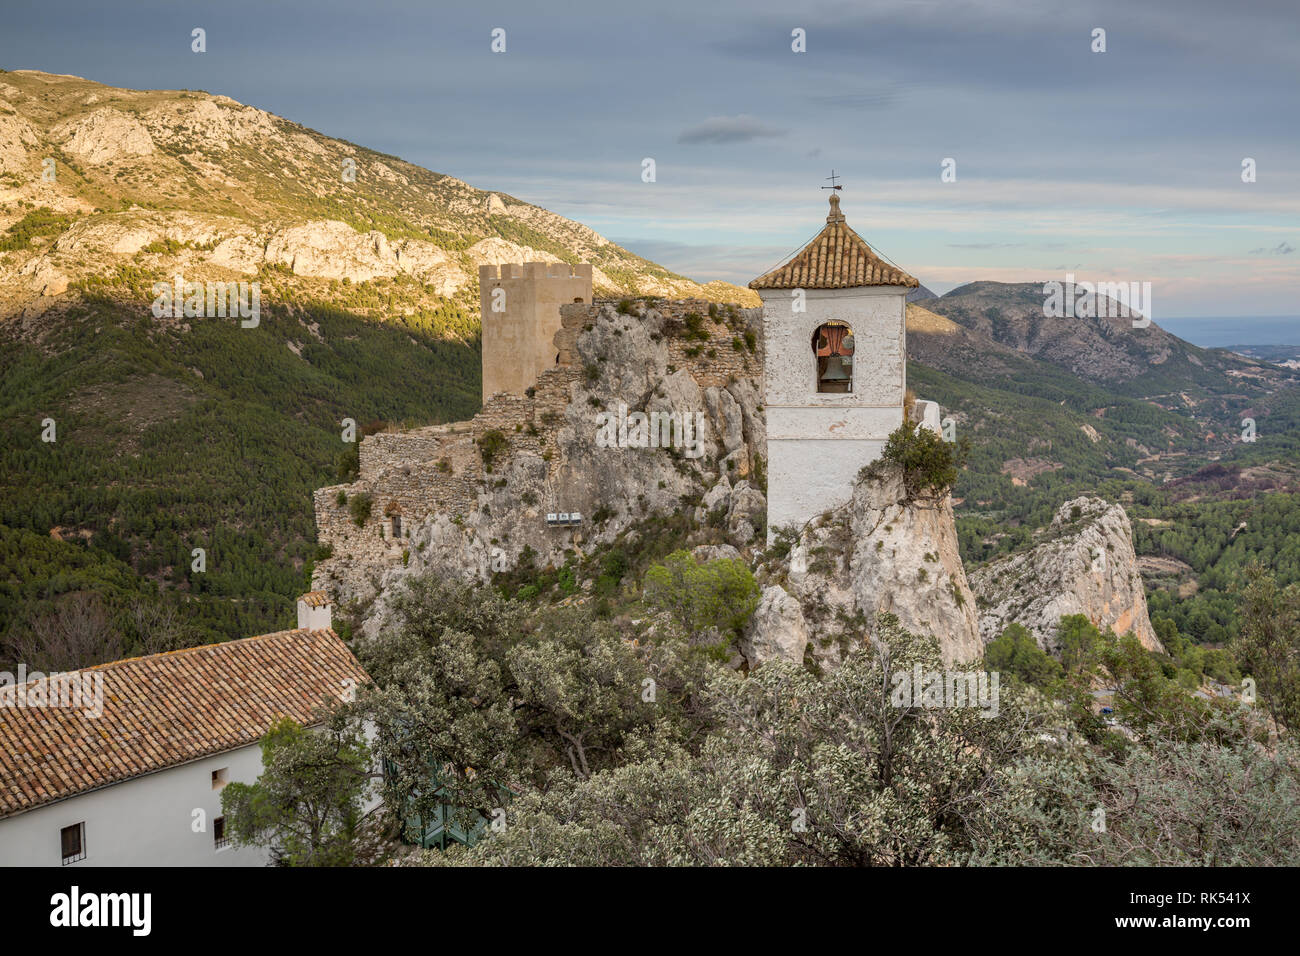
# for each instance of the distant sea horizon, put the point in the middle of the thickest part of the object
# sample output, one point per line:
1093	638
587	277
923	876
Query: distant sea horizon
1222	331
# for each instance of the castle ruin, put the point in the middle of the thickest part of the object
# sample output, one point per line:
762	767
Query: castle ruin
520	309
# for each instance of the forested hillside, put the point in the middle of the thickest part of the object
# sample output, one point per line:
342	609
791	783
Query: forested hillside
1205	502
174	434
209	436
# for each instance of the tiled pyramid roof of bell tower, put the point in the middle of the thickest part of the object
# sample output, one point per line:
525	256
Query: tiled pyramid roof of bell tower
837	259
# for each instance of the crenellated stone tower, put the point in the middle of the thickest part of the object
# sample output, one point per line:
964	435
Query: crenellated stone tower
834	325
520	308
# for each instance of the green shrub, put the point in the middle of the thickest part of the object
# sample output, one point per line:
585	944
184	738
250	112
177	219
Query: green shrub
360	506
349	463
1017	654
720	593
491	444
929	464
567	580
38	222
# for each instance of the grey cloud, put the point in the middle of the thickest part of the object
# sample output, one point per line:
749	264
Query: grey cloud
728	129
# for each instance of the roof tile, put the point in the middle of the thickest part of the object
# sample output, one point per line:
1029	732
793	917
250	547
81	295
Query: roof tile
838	258
167	709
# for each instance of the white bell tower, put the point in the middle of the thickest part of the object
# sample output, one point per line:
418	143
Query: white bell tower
834	327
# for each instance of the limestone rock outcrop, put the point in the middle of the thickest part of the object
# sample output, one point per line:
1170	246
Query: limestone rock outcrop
1084	565
883	553
106	134
777	631
465	522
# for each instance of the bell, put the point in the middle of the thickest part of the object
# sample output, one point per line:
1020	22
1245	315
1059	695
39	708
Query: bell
847	344
835	370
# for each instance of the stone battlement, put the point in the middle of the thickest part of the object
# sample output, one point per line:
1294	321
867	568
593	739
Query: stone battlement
533	271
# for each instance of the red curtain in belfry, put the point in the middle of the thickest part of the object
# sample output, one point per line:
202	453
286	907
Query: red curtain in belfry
834	335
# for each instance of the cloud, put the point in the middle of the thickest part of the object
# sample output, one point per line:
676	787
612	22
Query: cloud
1283	248
728	129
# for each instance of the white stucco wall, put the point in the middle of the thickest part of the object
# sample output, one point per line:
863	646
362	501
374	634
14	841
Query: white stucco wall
877	317
147	821
314	618
928	414
818	442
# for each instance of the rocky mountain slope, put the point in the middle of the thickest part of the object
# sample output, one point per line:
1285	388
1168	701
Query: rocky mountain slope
114	185
1083	564
1108	350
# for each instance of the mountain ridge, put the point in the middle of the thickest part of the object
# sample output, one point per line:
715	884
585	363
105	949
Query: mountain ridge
160	179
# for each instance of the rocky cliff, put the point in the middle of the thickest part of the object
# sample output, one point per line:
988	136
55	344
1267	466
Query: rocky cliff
880	553
1084	564
555	451
465	518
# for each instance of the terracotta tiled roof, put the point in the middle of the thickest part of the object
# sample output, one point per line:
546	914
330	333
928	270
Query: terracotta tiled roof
164	710
315	599
837	259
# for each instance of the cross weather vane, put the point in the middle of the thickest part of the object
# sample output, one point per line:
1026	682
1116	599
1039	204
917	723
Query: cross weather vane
832	177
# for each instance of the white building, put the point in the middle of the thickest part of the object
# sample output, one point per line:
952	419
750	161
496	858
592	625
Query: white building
139	784
834	324
314	611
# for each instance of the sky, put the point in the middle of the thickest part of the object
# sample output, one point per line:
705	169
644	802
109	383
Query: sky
1122	165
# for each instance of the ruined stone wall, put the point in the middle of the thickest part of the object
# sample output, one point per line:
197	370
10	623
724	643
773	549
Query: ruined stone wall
410	491
385	449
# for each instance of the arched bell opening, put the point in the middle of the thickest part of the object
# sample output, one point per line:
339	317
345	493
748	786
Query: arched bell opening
832	346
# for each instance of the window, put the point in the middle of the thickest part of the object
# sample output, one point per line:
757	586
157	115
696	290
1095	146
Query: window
73	843
578	299
397	526
219	838
832	346
219	778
